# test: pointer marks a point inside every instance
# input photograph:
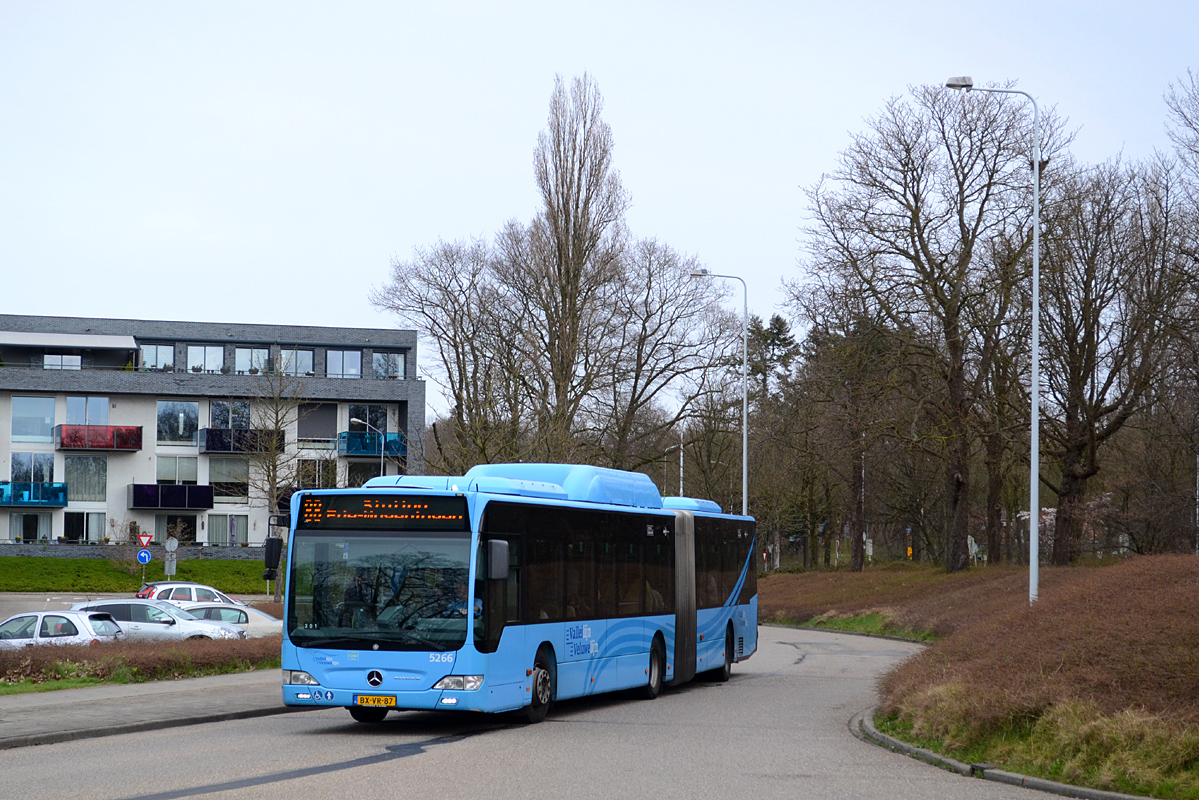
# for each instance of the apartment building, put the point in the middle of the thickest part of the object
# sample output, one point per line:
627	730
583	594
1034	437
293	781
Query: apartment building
111	427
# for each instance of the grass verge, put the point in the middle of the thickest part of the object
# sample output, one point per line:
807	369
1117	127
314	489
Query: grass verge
122	573
878	623
39	669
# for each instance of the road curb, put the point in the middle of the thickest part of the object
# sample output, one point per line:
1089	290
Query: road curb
54	737
862	726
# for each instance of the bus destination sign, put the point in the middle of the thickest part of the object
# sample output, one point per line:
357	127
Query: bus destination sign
383	512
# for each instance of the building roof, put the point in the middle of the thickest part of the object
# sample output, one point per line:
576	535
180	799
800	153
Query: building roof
176	331
82	341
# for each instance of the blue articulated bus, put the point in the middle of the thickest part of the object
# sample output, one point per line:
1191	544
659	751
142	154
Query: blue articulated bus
508	588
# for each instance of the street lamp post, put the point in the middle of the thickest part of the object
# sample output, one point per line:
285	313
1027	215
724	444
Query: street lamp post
703	273
1034	483
382	442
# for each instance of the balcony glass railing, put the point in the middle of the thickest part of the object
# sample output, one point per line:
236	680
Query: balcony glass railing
169	496
234	440
351	444
35	495
98	437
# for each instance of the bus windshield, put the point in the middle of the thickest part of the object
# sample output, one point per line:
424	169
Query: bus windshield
379	589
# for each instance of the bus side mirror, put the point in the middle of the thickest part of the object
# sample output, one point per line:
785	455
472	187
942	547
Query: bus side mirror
497	560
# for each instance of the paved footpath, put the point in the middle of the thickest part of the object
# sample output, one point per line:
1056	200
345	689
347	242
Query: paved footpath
66	714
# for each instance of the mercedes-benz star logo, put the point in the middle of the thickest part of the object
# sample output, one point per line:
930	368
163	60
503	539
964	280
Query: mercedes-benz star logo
374	677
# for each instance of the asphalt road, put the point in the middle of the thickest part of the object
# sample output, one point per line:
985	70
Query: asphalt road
779	728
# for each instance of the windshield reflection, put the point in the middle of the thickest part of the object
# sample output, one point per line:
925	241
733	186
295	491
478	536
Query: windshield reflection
359	589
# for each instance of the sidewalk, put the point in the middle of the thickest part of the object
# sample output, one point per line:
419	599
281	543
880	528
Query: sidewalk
67	714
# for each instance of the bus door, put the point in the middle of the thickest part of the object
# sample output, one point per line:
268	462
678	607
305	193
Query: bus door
498	632
585	627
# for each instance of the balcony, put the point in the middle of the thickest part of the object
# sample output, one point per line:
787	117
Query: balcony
122	438
151	496
235	440
352	444
23	494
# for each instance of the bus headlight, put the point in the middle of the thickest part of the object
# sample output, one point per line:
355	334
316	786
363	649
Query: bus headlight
295	677
460	682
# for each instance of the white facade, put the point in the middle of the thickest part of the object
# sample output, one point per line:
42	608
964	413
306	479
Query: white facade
46	408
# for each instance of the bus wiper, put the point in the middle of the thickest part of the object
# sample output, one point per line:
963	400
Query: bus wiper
419	639
339	640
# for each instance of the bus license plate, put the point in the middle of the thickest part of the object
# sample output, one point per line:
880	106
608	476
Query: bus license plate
373	700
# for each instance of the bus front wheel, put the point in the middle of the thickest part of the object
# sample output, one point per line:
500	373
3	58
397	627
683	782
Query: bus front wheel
542	688
371	715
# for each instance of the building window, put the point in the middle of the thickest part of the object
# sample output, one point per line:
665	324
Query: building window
228	529
87	410
181	526
80	526
158	357
29	527
33	419
202	358
87	478
359	473
296	362
317	474
33	467
389	366
177	470
375	415
251	360
62	362
178	422
230	479
343	363
230	414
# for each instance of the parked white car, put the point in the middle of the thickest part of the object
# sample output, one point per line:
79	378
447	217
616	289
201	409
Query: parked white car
58	627
184	592
155	620
254	622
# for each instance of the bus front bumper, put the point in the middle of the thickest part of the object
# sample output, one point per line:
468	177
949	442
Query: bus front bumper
428	700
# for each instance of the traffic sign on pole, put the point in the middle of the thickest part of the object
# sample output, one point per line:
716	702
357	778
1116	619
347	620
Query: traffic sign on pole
168	563
143	556
145	538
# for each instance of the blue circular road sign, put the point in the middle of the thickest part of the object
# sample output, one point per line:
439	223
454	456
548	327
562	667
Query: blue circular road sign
143	556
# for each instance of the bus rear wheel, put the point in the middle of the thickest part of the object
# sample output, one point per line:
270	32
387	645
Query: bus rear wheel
656	671
542	688
369	715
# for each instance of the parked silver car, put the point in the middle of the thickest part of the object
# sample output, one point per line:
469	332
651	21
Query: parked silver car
184	592
155	620
255	623
58	627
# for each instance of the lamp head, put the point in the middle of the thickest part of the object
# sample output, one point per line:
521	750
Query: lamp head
699	273
960	82
356	421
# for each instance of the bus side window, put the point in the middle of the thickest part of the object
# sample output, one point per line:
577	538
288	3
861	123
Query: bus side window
543	577
630	583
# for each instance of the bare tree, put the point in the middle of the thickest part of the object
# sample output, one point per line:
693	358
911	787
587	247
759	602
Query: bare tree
905	226
669	336
448	292
271	451
1116	286
559	272
1183	102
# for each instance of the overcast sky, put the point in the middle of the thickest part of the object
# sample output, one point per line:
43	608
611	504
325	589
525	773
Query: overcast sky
264	162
